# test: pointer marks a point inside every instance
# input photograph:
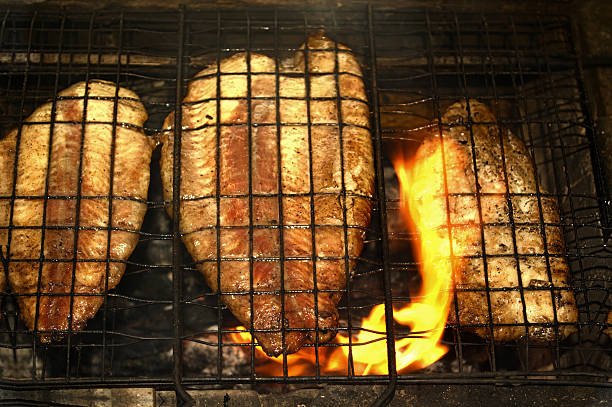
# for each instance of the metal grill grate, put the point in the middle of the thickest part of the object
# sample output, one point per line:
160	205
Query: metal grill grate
159	327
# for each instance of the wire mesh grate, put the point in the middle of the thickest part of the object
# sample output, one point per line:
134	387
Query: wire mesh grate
163	326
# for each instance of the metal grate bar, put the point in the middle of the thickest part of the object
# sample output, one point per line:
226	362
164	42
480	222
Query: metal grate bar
45	197
218	200
313	231
542	228
508	197
347	270
177	270
250	189
387	395
438	118
18	144
77	206
111	194
462	79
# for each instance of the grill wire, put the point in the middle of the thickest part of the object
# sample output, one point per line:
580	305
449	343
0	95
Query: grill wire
163	327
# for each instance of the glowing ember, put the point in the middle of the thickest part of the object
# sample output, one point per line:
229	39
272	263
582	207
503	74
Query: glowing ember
423	204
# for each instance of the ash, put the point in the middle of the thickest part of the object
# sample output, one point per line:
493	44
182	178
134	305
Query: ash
200	358
18	364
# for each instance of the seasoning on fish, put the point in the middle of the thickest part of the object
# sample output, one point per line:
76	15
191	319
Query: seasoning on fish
507	267
68	195
323	121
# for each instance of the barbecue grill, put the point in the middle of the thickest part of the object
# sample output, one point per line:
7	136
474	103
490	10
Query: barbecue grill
163	328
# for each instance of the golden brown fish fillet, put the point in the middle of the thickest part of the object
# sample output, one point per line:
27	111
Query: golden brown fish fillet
198	188
130	181
507	305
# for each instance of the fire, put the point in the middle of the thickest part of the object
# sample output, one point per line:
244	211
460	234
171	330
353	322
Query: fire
423	205
422	200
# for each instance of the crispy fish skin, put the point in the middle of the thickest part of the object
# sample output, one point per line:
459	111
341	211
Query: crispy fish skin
131	160
198	187
507	306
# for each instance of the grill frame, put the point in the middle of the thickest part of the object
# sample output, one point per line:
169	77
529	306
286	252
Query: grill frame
370	17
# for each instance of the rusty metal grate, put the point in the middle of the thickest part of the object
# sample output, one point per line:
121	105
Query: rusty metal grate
160	326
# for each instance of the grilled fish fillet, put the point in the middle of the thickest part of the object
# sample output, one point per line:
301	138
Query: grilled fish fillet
317	120
130	166
505	276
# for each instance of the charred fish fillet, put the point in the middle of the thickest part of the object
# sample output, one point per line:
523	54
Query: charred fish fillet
507	267
308	136
76	202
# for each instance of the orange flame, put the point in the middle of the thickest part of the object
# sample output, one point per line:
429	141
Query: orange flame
423	204
422	200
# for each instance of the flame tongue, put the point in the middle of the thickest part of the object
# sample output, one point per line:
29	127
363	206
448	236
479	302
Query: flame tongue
422	200
423	204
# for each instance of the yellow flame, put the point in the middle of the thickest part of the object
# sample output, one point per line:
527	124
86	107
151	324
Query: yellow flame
423	204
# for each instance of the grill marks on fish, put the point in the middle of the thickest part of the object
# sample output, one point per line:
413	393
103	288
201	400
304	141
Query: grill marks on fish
239	251
86	147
